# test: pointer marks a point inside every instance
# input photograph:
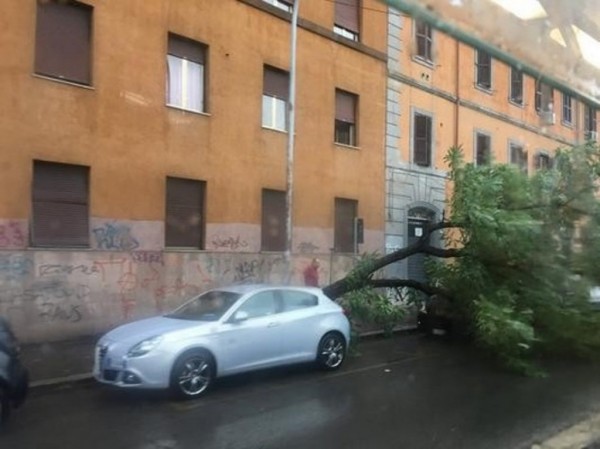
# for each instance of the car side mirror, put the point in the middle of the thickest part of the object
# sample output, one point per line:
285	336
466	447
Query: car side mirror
239	316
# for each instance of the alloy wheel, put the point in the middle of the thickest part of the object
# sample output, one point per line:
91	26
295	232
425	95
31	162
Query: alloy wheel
195	376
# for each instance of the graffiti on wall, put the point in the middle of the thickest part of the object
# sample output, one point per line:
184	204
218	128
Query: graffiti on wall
12	235
43	291
115	236
53	301
14	266
229	243
307	248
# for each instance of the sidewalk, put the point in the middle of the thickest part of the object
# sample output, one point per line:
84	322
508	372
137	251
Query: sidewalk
60	362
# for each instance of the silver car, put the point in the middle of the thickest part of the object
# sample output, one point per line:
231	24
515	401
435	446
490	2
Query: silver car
221	332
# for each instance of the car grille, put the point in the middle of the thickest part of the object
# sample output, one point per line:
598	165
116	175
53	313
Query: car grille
110	375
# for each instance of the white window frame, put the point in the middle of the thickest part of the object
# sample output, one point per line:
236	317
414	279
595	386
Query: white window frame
184	102
280	5
269	113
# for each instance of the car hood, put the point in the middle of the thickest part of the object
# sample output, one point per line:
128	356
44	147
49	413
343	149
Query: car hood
151	327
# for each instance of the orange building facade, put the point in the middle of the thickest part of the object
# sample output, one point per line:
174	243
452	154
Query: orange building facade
144	152
444	93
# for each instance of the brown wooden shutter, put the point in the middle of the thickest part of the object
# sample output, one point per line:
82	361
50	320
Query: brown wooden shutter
63	40
273	229
345	106
276	83
60	205
422	140
346	14
184	224
345	212
186	49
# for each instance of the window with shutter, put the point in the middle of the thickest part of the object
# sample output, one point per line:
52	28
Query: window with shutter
345	212
483	152
544	97
518	156
424	40
185	220
516	86
422	139
345	118
273	227
483	63
60	198
275	98
589	122
63	41
186	61
347	19
567	109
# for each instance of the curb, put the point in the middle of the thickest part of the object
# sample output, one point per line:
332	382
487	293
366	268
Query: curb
582	435
61	380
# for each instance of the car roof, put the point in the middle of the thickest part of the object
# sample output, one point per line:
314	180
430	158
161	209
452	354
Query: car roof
249	288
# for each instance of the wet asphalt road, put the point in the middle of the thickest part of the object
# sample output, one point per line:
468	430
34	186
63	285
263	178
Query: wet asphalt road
405	392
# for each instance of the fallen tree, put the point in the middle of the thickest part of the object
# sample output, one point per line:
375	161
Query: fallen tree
518	261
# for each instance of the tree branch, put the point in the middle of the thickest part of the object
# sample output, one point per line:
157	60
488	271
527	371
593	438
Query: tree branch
409	283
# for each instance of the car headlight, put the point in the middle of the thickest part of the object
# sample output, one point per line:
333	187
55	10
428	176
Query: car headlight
144	346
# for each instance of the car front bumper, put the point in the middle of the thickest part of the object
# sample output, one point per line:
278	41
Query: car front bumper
113	367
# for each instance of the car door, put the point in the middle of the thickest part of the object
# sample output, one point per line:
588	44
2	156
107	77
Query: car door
256	341
300	323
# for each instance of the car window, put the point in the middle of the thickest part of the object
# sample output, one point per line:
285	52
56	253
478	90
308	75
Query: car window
209	306
296	300
261	304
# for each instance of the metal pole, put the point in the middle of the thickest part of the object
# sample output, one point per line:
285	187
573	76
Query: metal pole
291	119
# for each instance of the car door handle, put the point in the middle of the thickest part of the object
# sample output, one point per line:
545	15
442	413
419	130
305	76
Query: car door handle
273	324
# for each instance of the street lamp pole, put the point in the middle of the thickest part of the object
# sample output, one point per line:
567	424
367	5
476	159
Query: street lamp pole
291	119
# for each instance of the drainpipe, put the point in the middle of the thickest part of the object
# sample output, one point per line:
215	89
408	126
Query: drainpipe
291	118
457	94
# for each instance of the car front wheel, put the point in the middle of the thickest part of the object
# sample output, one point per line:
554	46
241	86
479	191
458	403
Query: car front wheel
192	374
332	351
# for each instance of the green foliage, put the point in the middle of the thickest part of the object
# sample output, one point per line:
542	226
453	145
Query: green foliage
515	285
368	306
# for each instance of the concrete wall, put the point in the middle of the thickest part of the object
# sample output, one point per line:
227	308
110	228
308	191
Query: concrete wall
57	295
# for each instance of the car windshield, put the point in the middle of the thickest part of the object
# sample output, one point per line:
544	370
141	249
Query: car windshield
209	306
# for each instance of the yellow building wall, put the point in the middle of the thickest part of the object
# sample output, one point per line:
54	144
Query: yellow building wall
132	141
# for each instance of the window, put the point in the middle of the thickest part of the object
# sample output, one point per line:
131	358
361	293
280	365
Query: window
282	4
186	74
518	156
346	19
483	66
184	224
544	97
483	153
275	98
60	205
274	235
516	86
261	304
589	122
543	161
296	300
422	139
63	40
567	109
345	117
345	213
423	36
